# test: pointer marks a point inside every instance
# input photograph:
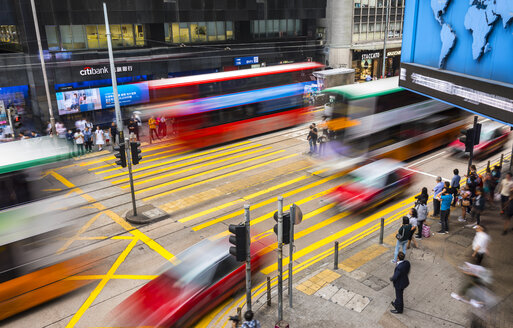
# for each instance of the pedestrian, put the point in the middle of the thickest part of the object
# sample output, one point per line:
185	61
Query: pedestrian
172	126
61	130
423	196
402	236
422	213
413	222
98	137
505	188
487	191
445	199
152	123
465	202
114	132
133	130
249	322
474	180
312	138
455	185
480	244
70	137
508	214
34	134
496	176
79	141
88	124
437	190
322	144
106	136
401	281
161	121
88	140
478	206
80	124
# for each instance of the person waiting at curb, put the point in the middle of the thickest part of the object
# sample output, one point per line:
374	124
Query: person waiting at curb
402	236
249	322
401	281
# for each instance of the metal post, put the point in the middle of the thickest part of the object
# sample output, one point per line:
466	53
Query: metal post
502	159
510	158
43	67
385	40
280	258
335	259
129	163
268	291
381	231
471	154
488	166
291	249
248	258
9	110
117	109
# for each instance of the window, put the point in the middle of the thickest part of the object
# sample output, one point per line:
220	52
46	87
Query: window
175	31
102	36
127	31
115	35
200	31
9	34
66	37
139	35
221	31
356	28
225	266
211	31
79	36
52	38
92	36
229	31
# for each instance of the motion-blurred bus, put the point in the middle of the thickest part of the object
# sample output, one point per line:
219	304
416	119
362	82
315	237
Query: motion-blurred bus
379	119
215	108
32	226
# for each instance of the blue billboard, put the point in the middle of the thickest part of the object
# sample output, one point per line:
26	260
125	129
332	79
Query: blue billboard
460	51
245	60
101	98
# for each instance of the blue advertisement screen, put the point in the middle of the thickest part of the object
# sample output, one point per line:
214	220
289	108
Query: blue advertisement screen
101	98
468	37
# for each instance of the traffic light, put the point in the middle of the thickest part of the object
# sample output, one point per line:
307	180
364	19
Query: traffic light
239	240
286	226
135	152
477	134
467	139
121	154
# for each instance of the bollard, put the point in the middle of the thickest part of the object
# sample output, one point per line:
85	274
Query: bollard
239	313
502	158
488	166
335	263
268	291
381	231
281	324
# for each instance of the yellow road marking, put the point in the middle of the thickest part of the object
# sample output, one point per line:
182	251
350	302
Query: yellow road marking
357	260
187	169
55	189
174	152
121	258
242	199
214	178
340	234
112	157
79	232
180	159
205	320
116	218
265	202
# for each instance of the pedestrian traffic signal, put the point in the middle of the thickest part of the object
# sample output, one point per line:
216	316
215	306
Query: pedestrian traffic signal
239	240
467	138
286	227
121	154
135	152
477	134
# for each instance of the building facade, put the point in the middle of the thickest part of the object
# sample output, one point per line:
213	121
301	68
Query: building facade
355	36
152	39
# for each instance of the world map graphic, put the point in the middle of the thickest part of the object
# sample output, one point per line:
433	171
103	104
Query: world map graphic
479	20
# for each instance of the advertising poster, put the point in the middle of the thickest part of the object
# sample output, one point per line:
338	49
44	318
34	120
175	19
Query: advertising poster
85	100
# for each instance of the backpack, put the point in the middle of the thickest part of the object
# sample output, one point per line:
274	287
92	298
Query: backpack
426	231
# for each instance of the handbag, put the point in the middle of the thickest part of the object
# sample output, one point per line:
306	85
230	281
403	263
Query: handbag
465	202
400	236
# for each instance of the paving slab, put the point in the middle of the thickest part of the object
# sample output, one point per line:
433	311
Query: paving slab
327	291
358	303
342	297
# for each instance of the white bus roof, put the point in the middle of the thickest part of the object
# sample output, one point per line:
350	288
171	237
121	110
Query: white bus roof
367	89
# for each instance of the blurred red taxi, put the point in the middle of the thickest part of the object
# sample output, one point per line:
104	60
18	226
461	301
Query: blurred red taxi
371	185
199	279
493	138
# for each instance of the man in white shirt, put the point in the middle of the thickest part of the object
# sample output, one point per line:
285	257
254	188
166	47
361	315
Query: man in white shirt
80	124
480	244
505	187
79	141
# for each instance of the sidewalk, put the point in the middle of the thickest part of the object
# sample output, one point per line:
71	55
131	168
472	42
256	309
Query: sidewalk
359	293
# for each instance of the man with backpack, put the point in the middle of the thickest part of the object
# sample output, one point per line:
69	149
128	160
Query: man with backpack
249	322
422	213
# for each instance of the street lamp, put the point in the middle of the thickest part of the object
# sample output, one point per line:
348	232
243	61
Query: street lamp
43	67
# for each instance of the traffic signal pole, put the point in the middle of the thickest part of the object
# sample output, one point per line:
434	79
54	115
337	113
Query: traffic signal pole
129	162
248	258
280	258
471	153
291	249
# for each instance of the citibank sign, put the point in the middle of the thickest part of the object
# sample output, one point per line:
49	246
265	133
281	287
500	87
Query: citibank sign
94	71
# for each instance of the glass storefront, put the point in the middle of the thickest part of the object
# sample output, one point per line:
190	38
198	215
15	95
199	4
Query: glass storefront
191	32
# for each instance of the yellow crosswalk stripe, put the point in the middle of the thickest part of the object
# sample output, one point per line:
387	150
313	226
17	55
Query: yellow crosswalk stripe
217	177
266	202
188	169
178	160
172	152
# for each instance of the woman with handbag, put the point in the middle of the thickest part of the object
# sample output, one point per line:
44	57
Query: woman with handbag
402	236
465	196
413	216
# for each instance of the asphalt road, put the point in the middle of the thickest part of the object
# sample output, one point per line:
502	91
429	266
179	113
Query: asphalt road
203	192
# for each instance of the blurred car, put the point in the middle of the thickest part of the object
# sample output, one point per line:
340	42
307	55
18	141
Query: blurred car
493	138
198	280
371	185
